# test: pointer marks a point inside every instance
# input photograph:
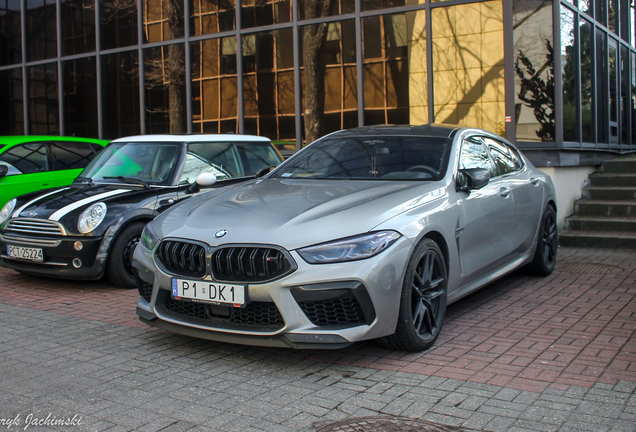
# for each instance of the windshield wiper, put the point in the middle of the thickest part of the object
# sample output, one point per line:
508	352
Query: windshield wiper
130	180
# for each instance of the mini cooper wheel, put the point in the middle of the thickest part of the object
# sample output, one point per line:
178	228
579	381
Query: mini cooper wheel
547	244
423	301
119	268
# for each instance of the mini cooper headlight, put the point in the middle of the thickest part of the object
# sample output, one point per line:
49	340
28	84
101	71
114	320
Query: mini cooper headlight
91	218
349	249
7	210
148	237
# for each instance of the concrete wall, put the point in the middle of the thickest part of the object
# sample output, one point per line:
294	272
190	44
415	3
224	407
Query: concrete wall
569	182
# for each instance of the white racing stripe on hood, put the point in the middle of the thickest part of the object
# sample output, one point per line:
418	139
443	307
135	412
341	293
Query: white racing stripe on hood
69	208
17	212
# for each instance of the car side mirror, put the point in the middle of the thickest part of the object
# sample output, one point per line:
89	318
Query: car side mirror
472	178
203	179
3	170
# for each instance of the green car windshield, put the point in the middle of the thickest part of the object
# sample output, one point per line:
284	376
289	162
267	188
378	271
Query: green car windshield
150	163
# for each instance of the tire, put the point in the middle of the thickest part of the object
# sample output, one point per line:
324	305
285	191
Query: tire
423	300
547	245
119	267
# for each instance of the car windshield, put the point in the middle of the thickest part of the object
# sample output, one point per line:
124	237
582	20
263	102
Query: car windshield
370	158
150	163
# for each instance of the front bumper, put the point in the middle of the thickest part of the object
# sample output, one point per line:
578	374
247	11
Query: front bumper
60	256
375	284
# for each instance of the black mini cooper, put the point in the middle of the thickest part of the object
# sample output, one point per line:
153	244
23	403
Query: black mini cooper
92	227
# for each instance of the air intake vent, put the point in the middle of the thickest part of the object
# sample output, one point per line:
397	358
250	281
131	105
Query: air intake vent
34	226
249	264
334	312
181	258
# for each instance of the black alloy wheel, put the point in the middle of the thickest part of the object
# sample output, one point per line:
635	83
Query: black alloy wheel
423	302
547	245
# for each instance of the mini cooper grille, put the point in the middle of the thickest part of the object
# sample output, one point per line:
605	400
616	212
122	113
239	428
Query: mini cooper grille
336	312
182	258
249	264
256	314
145	289
34	226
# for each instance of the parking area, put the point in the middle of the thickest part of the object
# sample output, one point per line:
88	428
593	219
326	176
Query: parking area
523	354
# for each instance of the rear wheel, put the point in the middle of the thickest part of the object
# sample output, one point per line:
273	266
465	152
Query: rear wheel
119	268
546	254
423	300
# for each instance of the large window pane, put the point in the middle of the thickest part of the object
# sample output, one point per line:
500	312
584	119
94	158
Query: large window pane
256	13
11	31
602	88
44	110
11	110
212	16
568	74
118	23
587	94
164	74
163	20
625	96
80	97
309	9
624	18
468	65
120	94
612	16
78	26
214	91
386	65
268	83
329	74
41	28
534	66
601	11
586	6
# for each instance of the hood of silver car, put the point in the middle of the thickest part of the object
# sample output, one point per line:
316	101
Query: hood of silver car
293	213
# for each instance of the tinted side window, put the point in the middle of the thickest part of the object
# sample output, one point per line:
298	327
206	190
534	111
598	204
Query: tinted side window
503	156
474	155
71	155
257	157
28	158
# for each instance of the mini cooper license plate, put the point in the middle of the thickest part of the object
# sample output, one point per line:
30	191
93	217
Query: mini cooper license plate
31	254
206	291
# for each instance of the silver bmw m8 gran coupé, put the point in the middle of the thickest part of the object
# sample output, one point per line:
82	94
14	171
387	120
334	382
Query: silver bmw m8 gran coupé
366	233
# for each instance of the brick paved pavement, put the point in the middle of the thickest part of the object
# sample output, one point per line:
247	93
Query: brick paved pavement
524	354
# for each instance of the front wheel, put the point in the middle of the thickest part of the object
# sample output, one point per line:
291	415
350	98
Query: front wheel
545	256
423	300
119	268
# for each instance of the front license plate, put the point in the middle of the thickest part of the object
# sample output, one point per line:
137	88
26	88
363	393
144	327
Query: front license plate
212	292
32	254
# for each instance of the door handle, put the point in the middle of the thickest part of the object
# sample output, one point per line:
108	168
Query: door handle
167	201
504	192
534	180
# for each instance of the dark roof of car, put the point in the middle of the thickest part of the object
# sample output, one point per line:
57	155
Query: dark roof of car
429	130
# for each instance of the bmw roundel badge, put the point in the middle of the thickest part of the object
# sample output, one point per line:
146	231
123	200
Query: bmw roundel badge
220	233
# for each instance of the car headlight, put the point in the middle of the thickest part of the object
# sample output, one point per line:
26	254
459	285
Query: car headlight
149	238
349	249
91	218
7	210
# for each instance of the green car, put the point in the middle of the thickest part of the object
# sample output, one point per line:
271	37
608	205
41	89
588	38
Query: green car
32	163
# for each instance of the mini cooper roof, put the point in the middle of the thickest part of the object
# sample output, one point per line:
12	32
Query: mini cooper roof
193	138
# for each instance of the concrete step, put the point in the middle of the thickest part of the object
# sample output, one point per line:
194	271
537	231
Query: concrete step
583	223
595	239
613	180
609	193
585	207
625	166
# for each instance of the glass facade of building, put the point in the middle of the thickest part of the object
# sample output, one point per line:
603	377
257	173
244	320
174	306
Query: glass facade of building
554	75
